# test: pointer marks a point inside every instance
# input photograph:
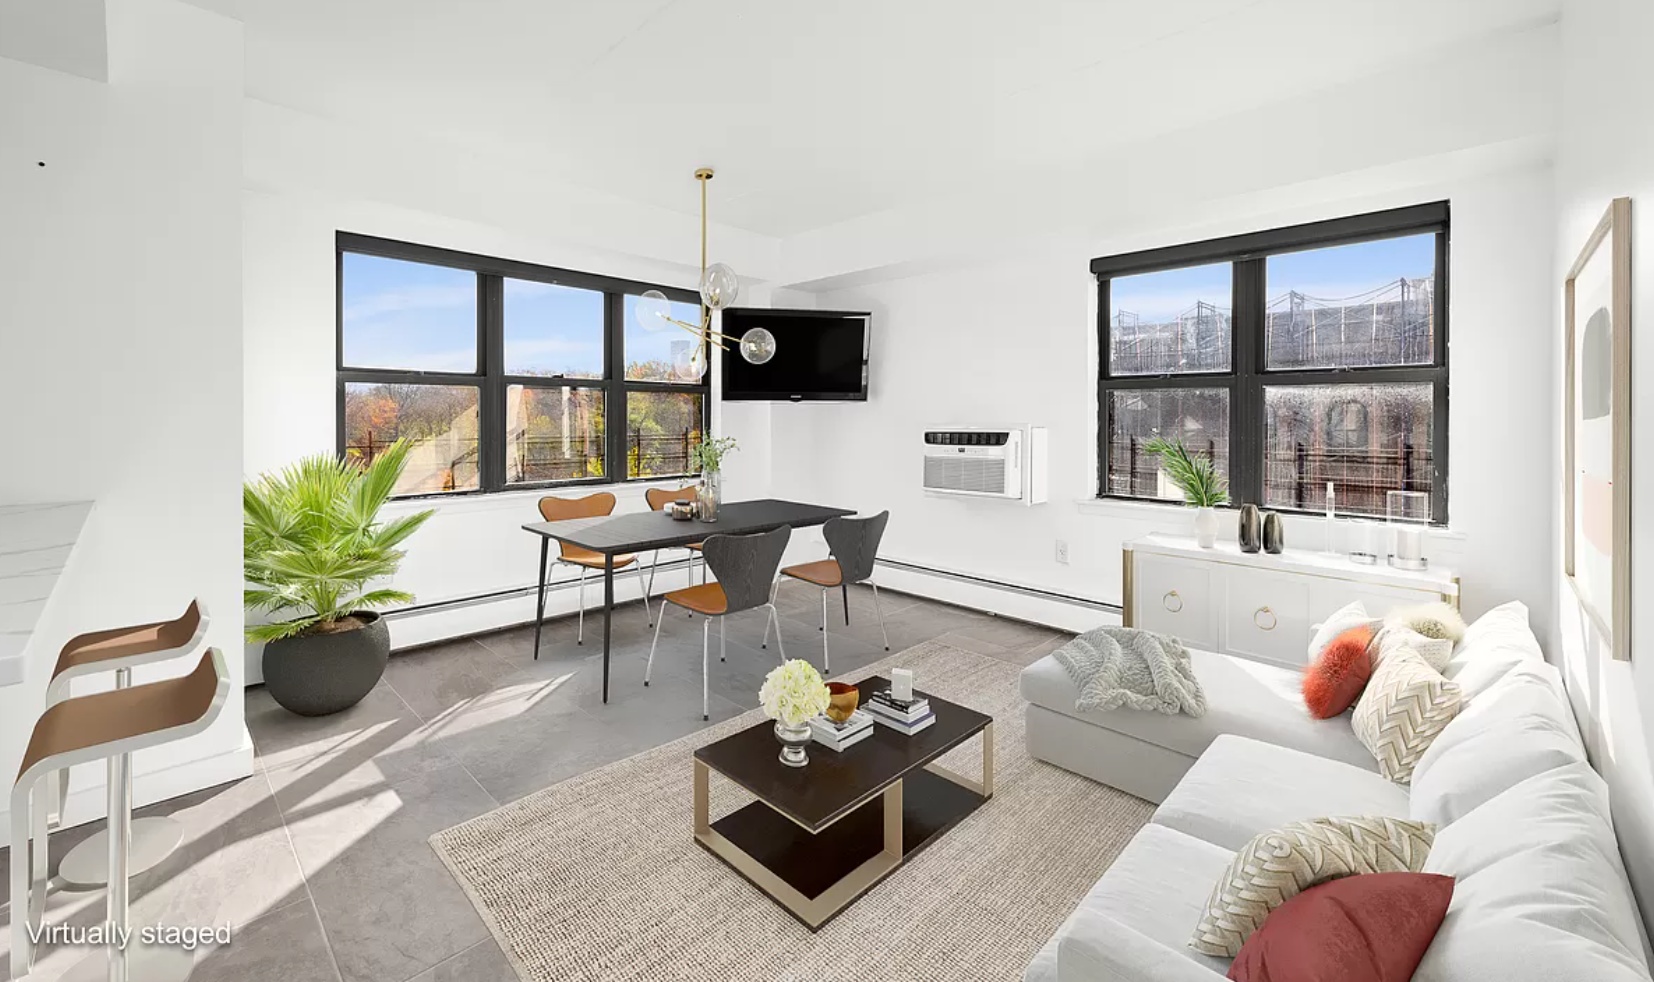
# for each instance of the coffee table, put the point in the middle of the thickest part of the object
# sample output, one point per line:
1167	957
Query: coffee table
820	836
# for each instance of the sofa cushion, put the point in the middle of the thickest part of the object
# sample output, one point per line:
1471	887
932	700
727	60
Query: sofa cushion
1277	865
1371	928
1519	727
1541	893
1157	888
1246	698
1406	705
1350	615
1334	679
1493	644
1240	787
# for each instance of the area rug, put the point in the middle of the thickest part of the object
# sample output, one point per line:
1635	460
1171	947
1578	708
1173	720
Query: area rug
598	878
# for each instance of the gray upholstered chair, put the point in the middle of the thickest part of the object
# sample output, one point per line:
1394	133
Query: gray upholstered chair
745	570
853	544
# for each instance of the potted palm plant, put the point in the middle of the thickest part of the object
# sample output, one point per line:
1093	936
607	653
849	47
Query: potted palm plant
314	549
1196	475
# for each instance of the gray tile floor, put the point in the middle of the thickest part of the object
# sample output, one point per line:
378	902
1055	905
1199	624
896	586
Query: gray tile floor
320	859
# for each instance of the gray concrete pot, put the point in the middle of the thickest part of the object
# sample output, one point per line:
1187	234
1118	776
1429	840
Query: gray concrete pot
319	674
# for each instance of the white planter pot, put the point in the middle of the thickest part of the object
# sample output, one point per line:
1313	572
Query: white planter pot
1206	527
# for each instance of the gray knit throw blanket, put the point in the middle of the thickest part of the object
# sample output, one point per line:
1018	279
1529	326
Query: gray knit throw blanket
1118	667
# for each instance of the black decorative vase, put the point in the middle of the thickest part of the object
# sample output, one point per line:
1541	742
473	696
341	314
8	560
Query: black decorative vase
1274	534
320	674
1250	534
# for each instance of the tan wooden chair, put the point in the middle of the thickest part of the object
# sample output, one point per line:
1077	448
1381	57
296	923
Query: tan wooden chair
745	567
555	509
659	498
108	726
119	650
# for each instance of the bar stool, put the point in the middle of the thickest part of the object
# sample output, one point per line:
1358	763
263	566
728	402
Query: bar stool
853	544
107	726
120	650
745	580
659	498
555	509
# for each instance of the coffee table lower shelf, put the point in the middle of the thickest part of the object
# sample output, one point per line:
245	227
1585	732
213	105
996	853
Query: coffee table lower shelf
815	876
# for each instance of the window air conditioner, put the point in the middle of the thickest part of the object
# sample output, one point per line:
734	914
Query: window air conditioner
986	463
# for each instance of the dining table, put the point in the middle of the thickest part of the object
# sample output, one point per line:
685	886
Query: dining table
636	532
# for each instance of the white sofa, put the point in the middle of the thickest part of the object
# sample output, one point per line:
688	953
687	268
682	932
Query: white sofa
1541	892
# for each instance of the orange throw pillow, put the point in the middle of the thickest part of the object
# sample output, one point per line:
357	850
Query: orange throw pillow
1333	682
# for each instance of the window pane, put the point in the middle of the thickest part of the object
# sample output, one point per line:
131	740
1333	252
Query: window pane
661	427
1171	322
551	330
553	434
1364	439
411	316
1353	306
1199	417
651	352
440	420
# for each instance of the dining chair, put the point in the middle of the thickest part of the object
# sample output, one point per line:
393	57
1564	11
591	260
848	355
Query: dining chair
853	545
555	509
659	498
744	568
118	651
108	726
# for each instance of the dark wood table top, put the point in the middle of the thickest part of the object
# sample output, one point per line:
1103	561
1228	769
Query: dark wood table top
836	782
639	531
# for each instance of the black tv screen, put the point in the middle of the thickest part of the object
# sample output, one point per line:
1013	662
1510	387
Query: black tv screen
819	354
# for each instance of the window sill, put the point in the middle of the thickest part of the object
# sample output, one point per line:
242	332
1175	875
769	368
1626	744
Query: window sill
517	499
1169	511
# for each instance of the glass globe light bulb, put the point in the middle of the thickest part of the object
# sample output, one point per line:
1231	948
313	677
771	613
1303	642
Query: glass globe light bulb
689	363
757	346
651	311
719	286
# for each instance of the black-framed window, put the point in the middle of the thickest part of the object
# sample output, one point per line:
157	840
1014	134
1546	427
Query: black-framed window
508	375
1297	357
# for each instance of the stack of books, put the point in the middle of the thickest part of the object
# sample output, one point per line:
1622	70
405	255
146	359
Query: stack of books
838	736
904	716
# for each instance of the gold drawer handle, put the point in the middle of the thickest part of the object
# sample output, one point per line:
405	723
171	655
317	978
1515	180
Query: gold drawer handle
1169	597
1273	620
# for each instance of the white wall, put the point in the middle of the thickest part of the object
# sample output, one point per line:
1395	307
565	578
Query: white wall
307	179
1606	150
120	351
1011	341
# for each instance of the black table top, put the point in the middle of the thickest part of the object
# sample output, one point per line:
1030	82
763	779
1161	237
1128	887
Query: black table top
835	782
639	531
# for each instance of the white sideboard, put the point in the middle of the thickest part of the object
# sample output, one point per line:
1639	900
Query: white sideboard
1256	605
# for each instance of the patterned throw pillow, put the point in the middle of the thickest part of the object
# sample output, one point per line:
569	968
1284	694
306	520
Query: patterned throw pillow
1433	620
1278	865
1436	652
1405	706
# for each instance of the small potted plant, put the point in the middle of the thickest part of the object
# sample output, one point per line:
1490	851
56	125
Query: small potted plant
708	457
792	695
313	546
1196	475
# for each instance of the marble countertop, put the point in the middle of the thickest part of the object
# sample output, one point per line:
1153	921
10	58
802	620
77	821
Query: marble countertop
35	543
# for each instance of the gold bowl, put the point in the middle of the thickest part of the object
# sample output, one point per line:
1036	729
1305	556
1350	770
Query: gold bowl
842	700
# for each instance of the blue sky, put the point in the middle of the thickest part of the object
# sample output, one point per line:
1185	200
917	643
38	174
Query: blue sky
1341	271
420	317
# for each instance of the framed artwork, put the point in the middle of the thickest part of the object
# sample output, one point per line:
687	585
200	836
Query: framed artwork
1597	429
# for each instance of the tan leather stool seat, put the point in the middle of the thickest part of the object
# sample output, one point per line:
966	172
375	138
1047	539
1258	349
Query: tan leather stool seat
708	598
822	572
126	642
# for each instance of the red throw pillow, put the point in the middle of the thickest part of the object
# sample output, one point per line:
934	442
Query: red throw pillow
1333	682
1369	928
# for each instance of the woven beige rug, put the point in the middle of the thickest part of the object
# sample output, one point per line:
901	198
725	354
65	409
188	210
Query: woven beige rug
598	878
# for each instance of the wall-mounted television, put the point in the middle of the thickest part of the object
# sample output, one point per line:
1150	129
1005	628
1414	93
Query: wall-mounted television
819	355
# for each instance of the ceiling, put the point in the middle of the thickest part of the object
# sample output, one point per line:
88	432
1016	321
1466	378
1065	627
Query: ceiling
819	113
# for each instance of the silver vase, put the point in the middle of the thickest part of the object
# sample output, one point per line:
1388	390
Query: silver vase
793	741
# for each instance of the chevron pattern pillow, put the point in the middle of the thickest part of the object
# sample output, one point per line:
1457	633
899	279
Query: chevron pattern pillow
1406	704
1278	865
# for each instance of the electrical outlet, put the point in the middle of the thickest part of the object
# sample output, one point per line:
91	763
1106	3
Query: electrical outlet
1062	550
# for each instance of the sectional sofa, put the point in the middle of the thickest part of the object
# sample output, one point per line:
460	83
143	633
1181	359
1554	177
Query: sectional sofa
1541	892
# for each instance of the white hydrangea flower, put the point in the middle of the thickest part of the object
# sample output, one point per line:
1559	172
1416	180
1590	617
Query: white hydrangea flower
793	693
